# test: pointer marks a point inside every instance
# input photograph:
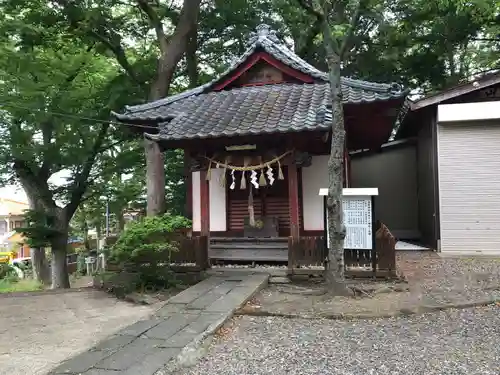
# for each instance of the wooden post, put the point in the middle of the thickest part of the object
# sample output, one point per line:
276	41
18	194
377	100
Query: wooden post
291	250
293	196
205	204
201	248
347	169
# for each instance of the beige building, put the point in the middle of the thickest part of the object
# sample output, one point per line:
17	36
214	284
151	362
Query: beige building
11	214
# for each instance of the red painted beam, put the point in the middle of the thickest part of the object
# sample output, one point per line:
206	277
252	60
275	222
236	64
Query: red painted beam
254	59
293	196
205	204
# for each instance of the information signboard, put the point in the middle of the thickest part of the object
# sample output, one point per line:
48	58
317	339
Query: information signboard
358	222
357	205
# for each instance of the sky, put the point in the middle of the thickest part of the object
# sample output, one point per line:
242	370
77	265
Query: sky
17	193
13	192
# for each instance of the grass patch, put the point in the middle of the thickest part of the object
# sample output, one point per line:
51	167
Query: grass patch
27	285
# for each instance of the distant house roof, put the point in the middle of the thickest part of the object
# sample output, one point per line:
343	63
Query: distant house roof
414	109
72	240
4	238
11	207
209	111
479	83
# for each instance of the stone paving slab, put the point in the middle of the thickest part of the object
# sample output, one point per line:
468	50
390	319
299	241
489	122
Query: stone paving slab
129	355
188	318
194	292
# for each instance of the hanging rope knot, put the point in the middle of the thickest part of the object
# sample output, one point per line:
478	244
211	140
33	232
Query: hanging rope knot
249	167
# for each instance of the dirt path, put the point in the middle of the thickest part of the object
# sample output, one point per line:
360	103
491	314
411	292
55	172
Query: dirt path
39	331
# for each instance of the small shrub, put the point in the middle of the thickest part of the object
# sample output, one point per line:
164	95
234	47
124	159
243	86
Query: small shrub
118	283
81	267
11	278
7	271
145	247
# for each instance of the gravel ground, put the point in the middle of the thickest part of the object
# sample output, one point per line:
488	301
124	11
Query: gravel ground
442	278
432	282
452	342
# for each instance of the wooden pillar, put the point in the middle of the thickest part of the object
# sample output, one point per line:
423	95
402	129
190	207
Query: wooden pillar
293	196
347	169
205	204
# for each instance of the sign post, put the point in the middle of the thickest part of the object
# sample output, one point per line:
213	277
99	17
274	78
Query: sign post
358	205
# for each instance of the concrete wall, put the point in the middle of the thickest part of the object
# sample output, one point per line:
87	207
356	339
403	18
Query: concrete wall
394	172
427	184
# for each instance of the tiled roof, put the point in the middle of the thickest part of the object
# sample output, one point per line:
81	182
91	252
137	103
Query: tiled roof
253	110
200	112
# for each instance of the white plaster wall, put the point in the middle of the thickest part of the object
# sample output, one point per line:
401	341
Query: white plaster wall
314	178
469	112
196	202
217	194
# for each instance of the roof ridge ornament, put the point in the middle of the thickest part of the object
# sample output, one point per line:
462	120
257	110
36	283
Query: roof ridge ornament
263	31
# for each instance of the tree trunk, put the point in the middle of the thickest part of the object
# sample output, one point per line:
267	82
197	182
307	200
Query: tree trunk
98	232
191	58
155	178
60	278
86	241
172	49
120	221
40	267
41	272
334	274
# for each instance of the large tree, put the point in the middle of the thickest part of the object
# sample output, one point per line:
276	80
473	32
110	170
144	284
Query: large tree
109	23
55	97
344	24
423	45
331	16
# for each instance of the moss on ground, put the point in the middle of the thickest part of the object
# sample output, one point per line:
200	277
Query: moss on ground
28	285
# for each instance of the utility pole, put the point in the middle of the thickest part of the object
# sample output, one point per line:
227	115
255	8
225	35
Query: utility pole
107	217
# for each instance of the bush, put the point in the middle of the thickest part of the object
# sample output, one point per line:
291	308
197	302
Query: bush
81	266
148	238
7	272
145	247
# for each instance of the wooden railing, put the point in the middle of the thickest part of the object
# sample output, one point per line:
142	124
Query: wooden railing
307	251
386	249
311	251
192	252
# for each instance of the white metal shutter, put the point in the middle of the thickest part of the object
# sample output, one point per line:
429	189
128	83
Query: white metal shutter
469	187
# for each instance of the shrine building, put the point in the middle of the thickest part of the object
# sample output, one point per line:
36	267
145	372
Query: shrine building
257	140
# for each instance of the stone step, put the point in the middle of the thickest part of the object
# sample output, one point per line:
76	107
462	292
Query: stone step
262	254
249	240
249	246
